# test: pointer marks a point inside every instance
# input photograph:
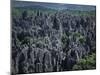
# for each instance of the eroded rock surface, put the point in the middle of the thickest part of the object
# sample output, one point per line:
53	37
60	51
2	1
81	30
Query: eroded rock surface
51	42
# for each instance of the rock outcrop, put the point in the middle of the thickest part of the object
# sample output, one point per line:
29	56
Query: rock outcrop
54	42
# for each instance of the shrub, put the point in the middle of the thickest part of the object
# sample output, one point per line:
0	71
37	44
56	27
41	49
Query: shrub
89	62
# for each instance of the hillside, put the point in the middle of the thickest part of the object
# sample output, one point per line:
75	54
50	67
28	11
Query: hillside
45	41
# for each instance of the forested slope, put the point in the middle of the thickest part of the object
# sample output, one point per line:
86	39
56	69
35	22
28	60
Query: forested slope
52	41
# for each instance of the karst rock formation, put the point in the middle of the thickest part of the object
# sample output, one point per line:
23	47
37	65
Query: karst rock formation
44	42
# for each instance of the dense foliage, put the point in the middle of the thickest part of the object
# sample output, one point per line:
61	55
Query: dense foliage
52	41
89	62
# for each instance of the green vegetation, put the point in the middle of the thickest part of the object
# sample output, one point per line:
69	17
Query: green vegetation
64	40
79	13
89	62
54	35
18	11
80	37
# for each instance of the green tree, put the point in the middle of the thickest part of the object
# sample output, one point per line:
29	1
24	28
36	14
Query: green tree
89	62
